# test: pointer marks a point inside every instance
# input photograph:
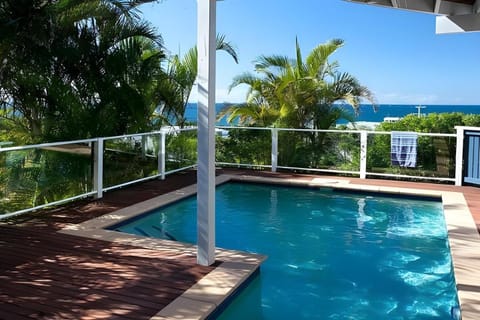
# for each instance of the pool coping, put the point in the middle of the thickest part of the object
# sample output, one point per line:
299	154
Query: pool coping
211	291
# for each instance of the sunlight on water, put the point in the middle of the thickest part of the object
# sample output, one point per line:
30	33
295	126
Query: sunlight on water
330	255
416	279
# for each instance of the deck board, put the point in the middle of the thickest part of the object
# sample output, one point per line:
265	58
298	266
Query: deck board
71	278
48	275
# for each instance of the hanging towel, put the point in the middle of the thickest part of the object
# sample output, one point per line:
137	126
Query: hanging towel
403	151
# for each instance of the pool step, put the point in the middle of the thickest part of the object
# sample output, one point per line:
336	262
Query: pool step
162	233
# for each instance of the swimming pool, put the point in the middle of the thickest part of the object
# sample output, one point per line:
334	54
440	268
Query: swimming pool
332	255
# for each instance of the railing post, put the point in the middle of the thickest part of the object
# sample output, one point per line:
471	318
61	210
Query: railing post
98	167
144	147
459	156
161	155
274	149
363	154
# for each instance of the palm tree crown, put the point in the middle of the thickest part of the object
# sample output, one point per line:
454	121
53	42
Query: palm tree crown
298	93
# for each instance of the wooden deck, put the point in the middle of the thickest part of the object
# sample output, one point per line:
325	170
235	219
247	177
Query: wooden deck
48	275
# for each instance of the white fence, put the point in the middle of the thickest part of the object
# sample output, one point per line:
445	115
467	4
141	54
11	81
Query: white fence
153	155
361	171
94	155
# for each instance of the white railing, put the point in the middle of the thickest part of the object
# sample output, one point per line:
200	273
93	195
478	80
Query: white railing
363	145
97	149
153	147
161	157
420	134
87	142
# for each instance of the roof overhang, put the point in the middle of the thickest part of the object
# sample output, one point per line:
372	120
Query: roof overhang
452	16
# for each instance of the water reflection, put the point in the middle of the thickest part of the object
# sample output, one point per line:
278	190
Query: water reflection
361	216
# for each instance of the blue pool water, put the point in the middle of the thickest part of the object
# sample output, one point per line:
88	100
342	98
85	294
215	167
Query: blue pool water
331	255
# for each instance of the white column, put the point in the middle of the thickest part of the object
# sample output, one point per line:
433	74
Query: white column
363	154
98	167
274	149
161	155
206	43
459	156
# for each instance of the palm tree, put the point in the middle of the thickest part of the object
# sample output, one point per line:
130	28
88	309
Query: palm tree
176	86
114	66
77	68
298	94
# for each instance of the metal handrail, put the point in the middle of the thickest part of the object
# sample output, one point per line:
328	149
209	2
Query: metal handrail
98	159
424	134
45	145
19	212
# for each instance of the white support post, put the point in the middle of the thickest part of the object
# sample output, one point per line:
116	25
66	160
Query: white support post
161	155
363	154
206	44
274	149
459	156
438	5
144	147
98	167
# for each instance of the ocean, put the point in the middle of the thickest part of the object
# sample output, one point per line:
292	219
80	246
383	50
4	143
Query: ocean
367	114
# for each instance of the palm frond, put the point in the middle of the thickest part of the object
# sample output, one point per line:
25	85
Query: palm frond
271	62
246	78
223	45
318	59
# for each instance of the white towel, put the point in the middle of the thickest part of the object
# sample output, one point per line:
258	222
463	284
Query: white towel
403	151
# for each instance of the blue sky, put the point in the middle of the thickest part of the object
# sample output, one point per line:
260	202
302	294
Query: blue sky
396	54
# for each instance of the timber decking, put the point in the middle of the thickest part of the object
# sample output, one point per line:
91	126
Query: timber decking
48	275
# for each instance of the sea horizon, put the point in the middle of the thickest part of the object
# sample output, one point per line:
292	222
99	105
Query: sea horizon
366	112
